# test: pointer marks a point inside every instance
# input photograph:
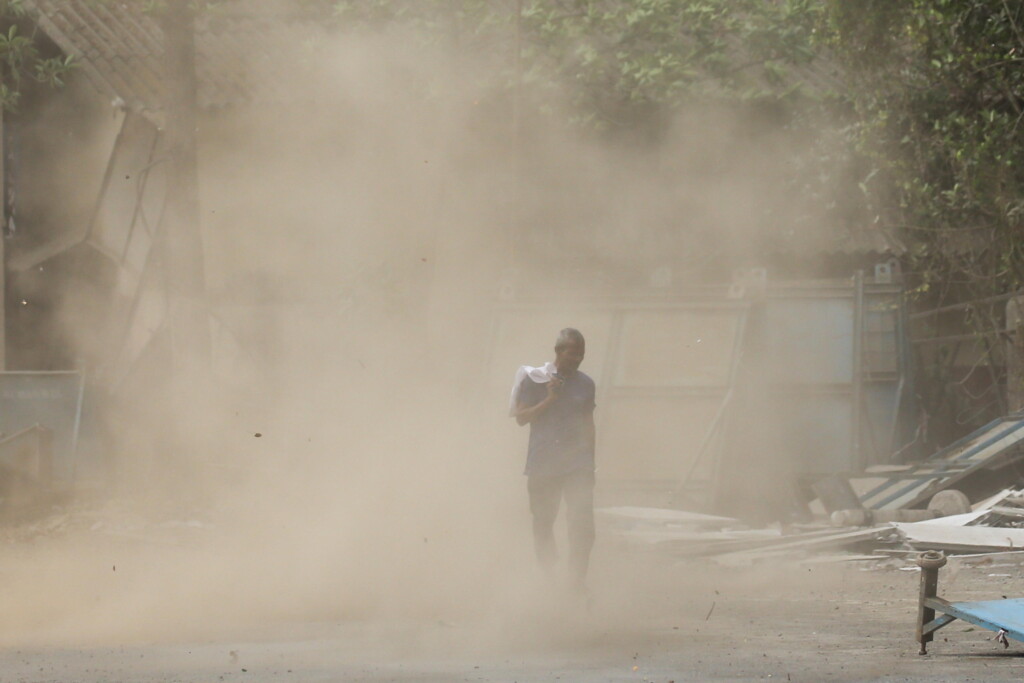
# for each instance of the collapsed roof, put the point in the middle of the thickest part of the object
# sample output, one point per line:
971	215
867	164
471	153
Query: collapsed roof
245	52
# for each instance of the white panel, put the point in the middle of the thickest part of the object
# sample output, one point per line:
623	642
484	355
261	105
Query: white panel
129	166
810	340
656	438
676	348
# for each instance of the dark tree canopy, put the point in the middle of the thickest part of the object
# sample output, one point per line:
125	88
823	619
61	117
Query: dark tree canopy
912	109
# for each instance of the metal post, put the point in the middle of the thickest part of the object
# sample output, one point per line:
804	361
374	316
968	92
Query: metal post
3	243
513	235
856	415
518	95
44	446
930	562
904	369
181	248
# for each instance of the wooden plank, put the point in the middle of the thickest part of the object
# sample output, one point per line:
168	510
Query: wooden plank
819	542
942	536
1006	511
662	515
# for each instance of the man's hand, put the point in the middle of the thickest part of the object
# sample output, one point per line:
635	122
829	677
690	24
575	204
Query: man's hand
555	386
525	414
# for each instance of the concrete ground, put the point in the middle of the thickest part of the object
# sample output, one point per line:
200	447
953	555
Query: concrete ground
654	618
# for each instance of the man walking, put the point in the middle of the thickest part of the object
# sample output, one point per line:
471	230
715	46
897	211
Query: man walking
557	401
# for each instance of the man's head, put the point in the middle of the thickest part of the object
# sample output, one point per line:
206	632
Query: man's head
569	350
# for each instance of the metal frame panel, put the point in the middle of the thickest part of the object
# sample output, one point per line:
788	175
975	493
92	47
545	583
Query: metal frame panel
949	465
38	404
615	387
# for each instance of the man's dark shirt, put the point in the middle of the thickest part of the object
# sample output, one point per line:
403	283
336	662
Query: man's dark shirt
561	440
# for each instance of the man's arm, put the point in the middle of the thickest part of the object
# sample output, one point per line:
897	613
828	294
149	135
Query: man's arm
526	414
591	432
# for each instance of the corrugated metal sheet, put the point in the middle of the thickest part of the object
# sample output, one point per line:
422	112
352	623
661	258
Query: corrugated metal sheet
242	55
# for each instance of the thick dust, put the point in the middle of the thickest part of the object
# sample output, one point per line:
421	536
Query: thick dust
348	459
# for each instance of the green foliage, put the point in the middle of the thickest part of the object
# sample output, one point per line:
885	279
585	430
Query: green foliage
924	98
52	71
913	109
20	58
613	61
939	93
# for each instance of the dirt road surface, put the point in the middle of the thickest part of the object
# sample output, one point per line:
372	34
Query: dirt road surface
652	618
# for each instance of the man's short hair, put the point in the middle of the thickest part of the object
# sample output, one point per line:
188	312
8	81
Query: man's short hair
569	335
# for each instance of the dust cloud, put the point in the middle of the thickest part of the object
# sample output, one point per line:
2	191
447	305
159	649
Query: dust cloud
348	458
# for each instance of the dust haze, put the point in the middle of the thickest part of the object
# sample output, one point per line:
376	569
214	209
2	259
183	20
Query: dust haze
348	458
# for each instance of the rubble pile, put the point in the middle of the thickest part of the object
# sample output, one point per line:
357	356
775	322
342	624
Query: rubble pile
993	525
949	502
109	518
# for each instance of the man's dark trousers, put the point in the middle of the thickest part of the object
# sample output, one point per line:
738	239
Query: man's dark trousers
546	494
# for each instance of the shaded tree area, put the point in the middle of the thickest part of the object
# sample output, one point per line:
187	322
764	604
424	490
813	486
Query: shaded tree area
914	108
924	99
938	92
23	62
939	95
716	120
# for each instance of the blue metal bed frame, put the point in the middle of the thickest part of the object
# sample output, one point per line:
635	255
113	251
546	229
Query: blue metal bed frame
1005	617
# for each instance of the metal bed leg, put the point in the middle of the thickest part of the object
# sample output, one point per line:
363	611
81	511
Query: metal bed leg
930	562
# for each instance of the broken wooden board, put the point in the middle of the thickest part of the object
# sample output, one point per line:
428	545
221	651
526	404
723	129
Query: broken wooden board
931	536
694	538
794	545
1006	496
667	516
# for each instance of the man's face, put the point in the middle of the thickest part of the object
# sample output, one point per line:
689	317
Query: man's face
568	358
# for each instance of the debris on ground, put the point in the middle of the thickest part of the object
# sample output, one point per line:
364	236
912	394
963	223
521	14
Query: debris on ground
975	465
950	502
992	527
110	518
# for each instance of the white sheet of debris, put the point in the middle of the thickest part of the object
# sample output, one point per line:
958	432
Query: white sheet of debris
929	536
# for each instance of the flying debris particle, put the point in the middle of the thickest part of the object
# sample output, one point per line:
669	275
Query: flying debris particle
258	434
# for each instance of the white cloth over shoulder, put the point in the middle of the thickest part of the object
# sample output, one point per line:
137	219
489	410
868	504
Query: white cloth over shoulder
540	375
